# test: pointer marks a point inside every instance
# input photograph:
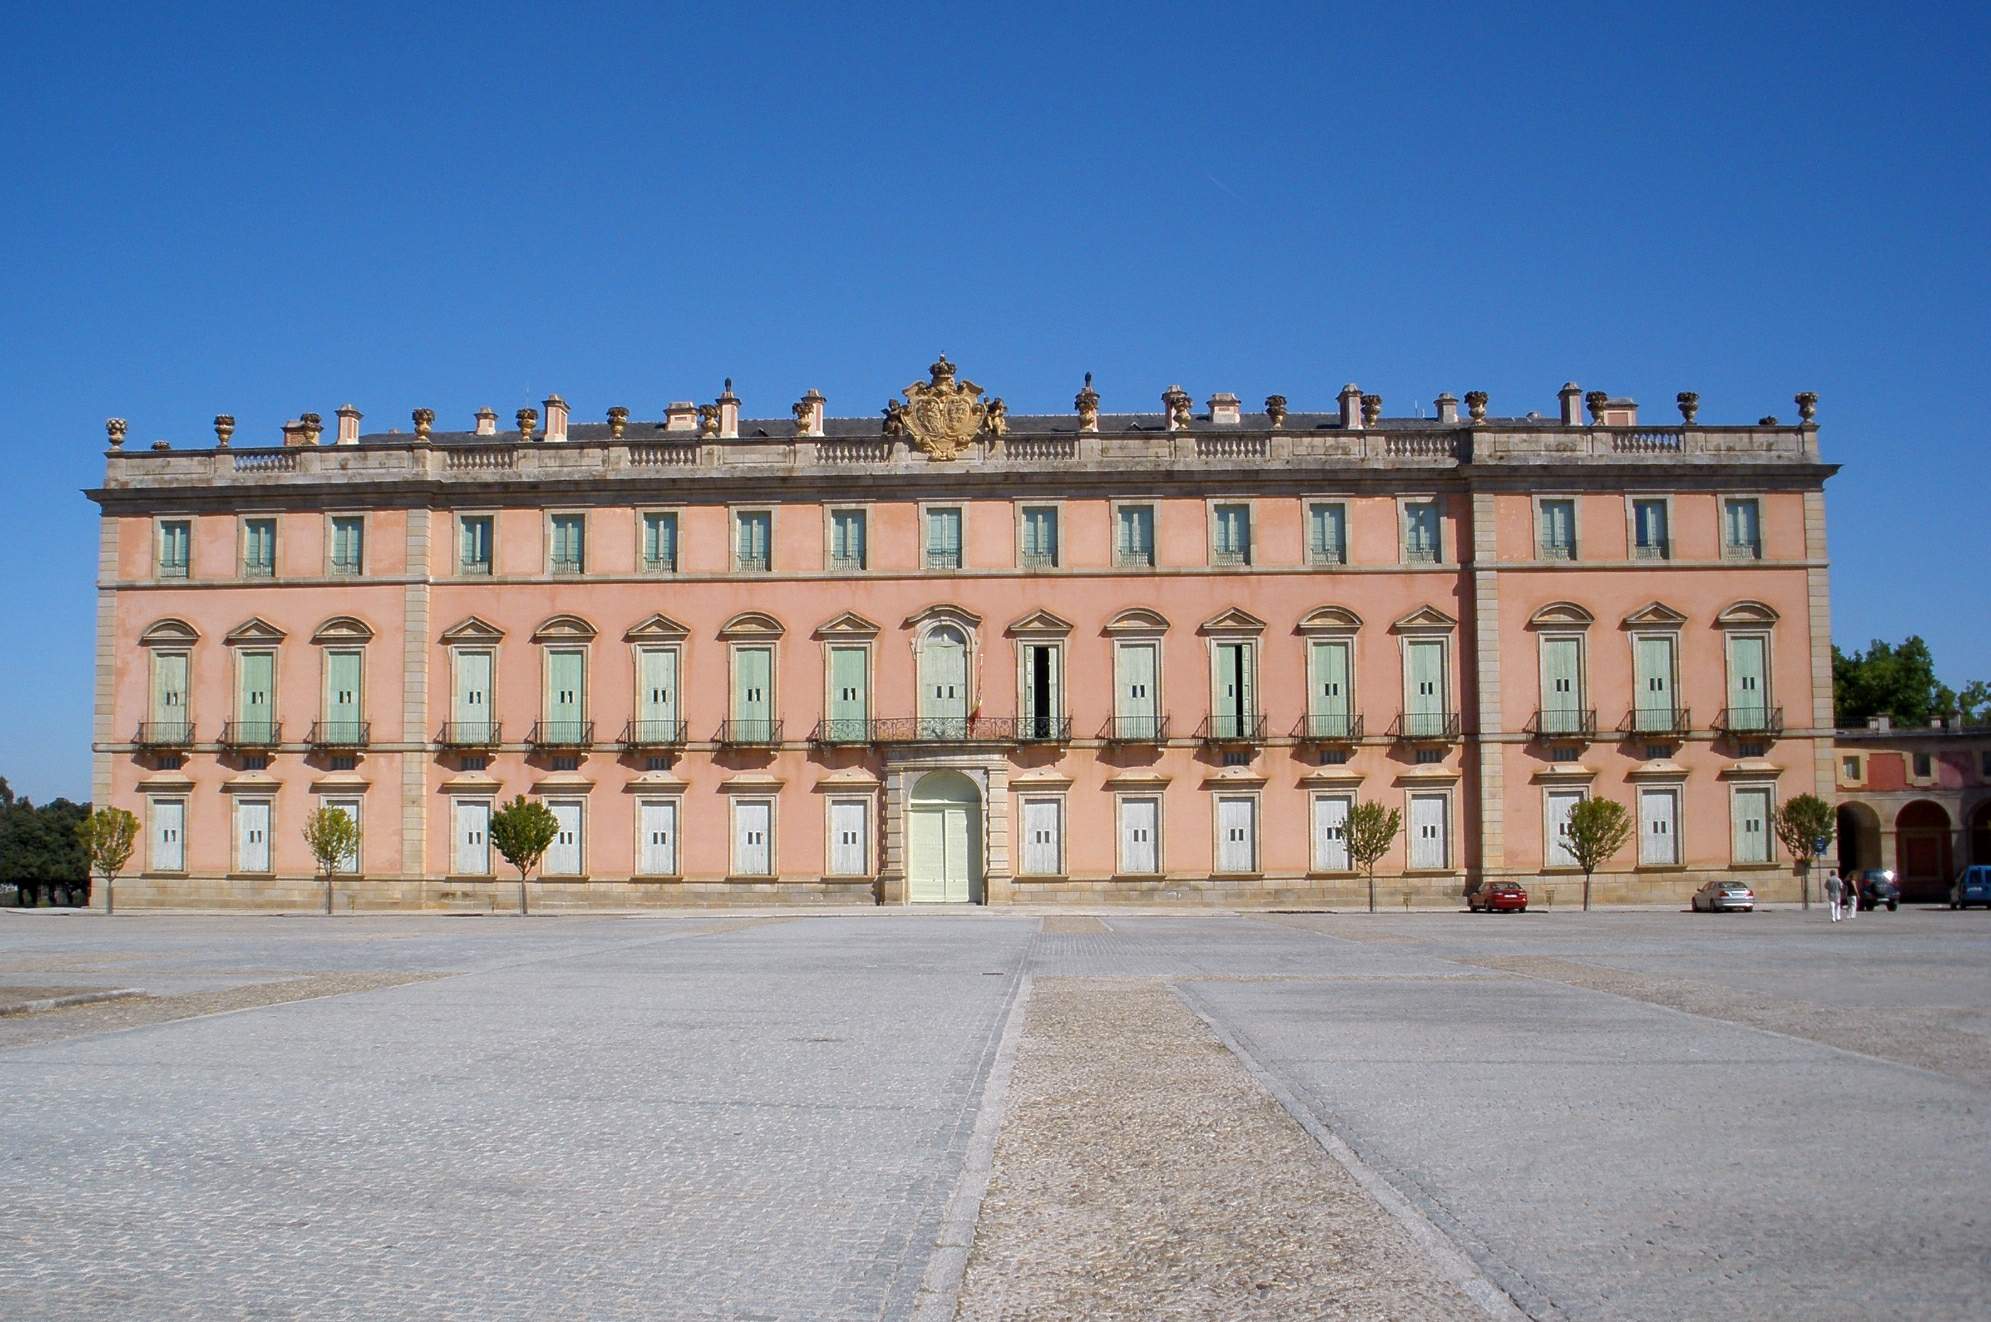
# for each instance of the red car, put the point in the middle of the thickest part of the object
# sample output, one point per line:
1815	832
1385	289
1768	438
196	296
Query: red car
1498	895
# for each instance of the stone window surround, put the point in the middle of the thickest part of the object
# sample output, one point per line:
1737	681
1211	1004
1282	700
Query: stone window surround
546	533
1040	629
242	522
365	540
921	626
152	803
580	872
676	799
733	802
1721	523
235	831
1404	501
1027	795
1535	502
1633	499
1348	797
1152	794
490	871
1056	504
1426	623
342	633
1153	507
642	514
1672	788
1331	624
961	508
1446	793
159	524
1548	826
751	629
1768	784
1747	619
1562	620
830	511
735	510
1347	504
1210	506
1233	626
456	561
1859	776
1243	790
869	799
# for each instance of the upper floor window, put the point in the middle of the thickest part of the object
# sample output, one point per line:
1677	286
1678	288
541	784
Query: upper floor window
660	543
1650	540
752	539
175	548
1420	531
1134	536
1849	770
259	548
847	540
1230	535
1039	536
943	538
1925	766
569	538
1327	533
1558	529
1742	528
348	544
474	536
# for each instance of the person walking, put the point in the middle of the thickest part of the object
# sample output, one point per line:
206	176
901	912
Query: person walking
1852	895
1835	890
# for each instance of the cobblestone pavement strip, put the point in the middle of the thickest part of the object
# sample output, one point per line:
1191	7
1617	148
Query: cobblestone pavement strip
1140	1172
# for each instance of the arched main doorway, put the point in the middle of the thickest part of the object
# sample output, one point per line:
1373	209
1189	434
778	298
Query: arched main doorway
1980	834
1922	844
944	840
1859	838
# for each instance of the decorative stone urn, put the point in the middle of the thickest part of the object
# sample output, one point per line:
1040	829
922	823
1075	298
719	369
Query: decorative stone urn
1595	401
114	428
1372	409
618	421
425	422
224	427
708	421
1476	405
528	422
1690	405
1087	404
1807	406
313	427
1275	409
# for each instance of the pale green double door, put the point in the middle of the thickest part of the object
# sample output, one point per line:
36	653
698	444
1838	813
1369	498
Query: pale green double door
944	840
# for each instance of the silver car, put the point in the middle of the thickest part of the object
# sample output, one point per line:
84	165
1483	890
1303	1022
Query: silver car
1718	896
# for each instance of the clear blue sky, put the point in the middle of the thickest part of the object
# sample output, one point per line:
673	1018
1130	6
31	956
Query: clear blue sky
268	210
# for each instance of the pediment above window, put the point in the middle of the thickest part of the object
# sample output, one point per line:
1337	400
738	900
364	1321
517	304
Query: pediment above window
255	629
752	624
343	629
1746	615
1561	615
1330	619
169	633
1654	615
1138	619
473	630
564	629
1232	621
658	628
1040	622
1425	619
944	611
848	624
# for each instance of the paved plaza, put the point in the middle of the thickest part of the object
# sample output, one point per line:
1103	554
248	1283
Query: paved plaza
988	1115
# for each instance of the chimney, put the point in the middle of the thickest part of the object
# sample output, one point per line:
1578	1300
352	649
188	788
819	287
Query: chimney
729	413
487	421
681	415
348	425
1620	412
1225	411
556	418
295	433
1351	406
810	420
1880	723
1571	396
1448	408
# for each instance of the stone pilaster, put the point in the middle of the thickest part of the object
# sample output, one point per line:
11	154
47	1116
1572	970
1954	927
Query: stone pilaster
1486	671
1818	593
103	715
998	881
415	702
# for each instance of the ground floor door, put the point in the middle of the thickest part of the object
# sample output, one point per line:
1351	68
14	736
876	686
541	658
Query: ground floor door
656	837
944	840
563	856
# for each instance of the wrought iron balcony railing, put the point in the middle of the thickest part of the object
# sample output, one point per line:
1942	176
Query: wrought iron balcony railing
561	734
471	734
1558	550
653	734
1430	726
942	559
1750	720
1656	550
1038	560
1135	730
1564	723
339	734
750	564
844	730
1657	720
252	734
948	730
1134	558
1231	728
1043	729
1230	555
846	564
474	568
165	734
1329	728
749	734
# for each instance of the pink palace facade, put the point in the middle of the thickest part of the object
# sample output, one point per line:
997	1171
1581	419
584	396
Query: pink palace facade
953	654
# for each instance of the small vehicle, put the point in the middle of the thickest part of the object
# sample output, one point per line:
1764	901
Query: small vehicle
1876	887
1498	896
1723	896
1972	886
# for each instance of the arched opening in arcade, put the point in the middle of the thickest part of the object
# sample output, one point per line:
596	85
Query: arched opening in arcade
1859	838
1980	834
1922	848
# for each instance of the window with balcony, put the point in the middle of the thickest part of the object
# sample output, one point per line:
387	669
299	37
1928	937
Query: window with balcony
1230	535
1749	709
753	541
660	542
568	534
259	548
348	533
1327	533
1742	528
848	552
175	548
1038	537
1420	532
1134	537
1556	534
943	538
474	540
1650	539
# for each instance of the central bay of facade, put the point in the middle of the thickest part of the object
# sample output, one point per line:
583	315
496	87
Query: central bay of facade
958	654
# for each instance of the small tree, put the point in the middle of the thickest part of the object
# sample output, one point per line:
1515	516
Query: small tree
1598	828
1371	831
1801	823
333	837
109	836
522	831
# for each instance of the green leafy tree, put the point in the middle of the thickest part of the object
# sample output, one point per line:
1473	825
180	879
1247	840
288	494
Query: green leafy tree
333	838
1598	828
1898	682
109	836
39	847
523	830
1371	830
1801	822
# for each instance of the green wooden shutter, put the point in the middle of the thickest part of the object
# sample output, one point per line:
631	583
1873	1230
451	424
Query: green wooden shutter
1562	686
1654	697
753	703
1327	698
849	703
342	694
1426	698
565	698
254	707
472	704
1748	687
169	688
657	697
1139	703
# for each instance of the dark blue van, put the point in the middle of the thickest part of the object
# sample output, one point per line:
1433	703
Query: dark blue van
1973	886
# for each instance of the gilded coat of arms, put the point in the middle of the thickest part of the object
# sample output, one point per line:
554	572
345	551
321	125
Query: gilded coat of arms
944	415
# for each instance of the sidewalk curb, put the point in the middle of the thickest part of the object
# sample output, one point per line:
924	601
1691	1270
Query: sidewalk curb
64	1002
